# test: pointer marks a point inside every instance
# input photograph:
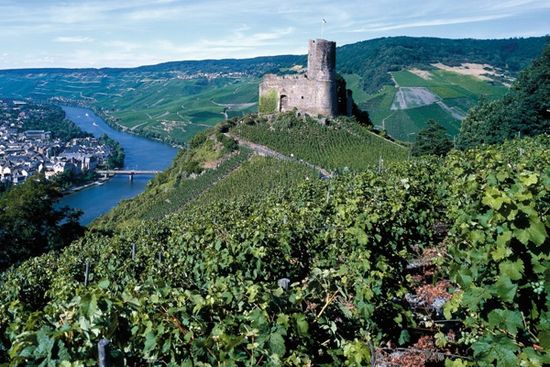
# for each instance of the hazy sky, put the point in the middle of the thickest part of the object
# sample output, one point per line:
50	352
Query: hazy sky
51	33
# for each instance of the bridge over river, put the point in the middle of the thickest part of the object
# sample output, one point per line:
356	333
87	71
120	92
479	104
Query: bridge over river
130	172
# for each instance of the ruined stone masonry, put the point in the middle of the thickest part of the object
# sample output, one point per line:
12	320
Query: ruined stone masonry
314	92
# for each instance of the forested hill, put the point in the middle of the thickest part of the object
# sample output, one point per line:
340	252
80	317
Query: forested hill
373	59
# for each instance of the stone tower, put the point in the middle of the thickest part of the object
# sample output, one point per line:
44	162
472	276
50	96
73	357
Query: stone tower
314	92
321	69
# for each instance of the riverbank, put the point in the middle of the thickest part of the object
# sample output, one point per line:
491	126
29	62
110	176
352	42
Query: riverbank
73	189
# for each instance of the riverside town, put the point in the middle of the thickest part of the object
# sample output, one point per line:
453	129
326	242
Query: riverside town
25	152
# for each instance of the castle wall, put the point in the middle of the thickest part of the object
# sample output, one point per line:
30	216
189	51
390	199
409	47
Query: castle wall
292	92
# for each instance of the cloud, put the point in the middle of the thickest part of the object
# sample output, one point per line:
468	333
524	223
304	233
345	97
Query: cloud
239	44
427	23
73	39
123	46
133	32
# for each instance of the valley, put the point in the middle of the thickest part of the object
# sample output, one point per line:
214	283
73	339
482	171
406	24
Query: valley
285	238
174	101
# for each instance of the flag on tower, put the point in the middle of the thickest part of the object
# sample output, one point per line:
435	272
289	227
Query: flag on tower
324	21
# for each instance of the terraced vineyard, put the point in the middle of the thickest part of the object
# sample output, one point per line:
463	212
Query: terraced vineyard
342	143
426	263
180	108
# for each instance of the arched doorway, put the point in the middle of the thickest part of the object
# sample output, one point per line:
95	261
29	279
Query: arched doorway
283	103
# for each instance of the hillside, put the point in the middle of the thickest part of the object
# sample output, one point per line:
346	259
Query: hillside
413	264
245	158
174	101
373	59
402	109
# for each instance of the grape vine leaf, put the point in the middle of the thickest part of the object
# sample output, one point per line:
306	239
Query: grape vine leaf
497	348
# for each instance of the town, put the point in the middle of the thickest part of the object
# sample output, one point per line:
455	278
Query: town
25	151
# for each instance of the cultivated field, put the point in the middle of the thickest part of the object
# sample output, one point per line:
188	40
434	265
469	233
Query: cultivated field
419	95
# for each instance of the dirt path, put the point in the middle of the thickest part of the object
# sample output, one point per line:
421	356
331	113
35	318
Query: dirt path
385	118
234	106
264	151
394	81
139	125
450	110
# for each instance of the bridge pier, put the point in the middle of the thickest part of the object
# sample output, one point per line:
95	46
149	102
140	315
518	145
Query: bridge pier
131	176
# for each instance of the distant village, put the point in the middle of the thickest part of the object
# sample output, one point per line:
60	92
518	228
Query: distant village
23	153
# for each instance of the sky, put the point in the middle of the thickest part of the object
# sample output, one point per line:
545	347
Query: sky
126	33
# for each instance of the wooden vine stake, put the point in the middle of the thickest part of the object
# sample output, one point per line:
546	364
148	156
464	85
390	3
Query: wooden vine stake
86	273
102	355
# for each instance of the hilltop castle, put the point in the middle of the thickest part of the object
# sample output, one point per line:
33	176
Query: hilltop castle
317	92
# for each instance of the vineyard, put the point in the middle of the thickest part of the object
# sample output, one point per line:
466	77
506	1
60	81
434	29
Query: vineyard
425	262
339	144
171	191
454	93
255	178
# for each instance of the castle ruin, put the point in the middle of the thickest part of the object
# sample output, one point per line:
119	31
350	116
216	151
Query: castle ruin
315	92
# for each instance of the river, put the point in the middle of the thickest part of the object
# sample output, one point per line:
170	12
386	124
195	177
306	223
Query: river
141	153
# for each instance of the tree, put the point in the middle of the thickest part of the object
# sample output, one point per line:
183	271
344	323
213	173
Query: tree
525	110
432	140
30	224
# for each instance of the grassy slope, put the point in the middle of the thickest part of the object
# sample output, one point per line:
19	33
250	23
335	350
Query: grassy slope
255	178
457	91
181	108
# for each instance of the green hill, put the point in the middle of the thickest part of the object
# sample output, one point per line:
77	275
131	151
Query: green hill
445	96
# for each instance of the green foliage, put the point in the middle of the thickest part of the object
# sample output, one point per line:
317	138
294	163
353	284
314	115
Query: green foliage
213	295
203	288
187	178
269	102
499	250
229	144
340	143
433	140
65	180
198	140
525	110
30	223
50	118
116	160
255	178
